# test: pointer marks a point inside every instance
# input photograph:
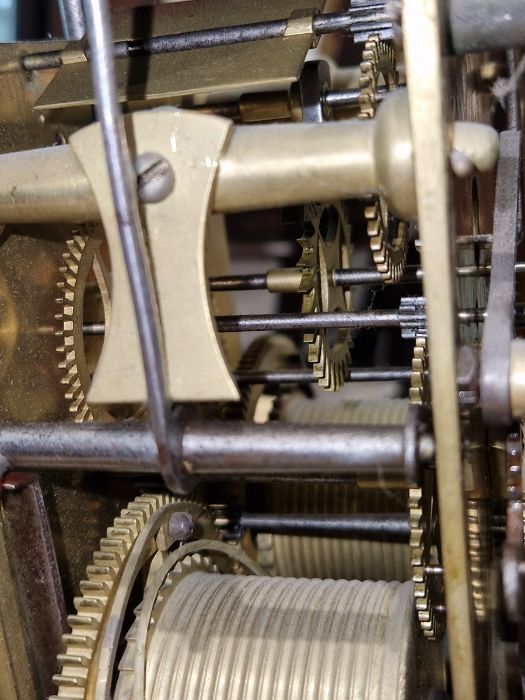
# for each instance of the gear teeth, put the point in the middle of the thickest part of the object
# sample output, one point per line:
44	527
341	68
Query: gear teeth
428	620
479	555
329	363
96	590
378	60
389	255
190	564
263	353
72	258
419	392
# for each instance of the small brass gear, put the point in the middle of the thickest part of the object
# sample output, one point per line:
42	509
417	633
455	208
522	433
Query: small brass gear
419	392
388	236
83	296
378	64
94	605
326	248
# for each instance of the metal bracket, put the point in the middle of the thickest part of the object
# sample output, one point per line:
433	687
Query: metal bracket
176	230
498	332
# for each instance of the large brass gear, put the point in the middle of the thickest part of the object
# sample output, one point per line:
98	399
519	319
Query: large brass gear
388	236
83	296
326	248
82	645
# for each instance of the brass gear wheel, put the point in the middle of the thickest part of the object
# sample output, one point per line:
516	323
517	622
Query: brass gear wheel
422	504
424	545
378	63
388	236
75	680
83	296
419	392
326	248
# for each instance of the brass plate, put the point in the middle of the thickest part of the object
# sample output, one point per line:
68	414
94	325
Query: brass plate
430	118
271	63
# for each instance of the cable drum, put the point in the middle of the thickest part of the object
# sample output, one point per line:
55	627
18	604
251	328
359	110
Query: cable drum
345	412
330	557
226	637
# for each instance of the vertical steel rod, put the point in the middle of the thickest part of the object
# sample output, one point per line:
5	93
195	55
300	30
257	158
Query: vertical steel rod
124	190
72	18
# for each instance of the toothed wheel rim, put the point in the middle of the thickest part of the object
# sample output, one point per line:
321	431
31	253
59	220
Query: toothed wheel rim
378	62
326	248
269	352
388	236
215	557
419	392
428	592
126	667
81	269
97	591
428	589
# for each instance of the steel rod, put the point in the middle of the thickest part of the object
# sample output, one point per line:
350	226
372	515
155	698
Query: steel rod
347	277
337	319
380	318
234	283
72	18
390	527
305	376
226	449
124	193
350	97
361	19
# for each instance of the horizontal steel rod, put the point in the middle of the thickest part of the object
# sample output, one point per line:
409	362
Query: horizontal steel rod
390	527
379	318
237	283
337	319
360	19
313	321
349	97
226	449
346	278
305	376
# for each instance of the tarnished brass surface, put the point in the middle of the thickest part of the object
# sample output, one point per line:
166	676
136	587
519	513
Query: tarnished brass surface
32	611
273	63
29	262
176	232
